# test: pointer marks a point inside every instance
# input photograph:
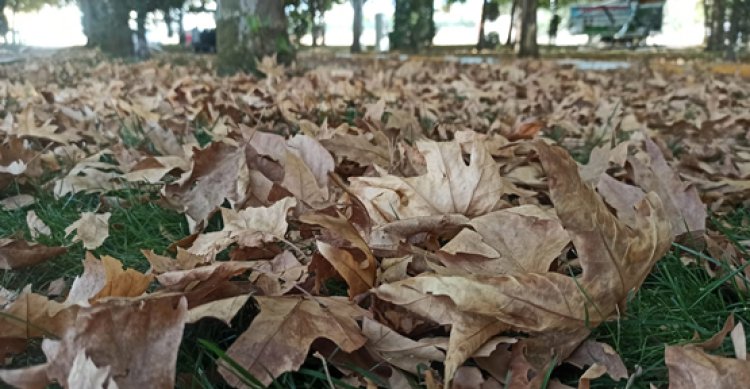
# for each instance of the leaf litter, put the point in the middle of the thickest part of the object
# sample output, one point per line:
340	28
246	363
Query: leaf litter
474	249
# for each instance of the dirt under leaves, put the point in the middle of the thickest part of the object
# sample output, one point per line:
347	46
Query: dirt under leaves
484	218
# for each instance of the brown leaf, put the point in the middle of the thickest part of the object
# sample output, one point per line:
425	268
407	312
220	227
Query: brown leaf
685	210
615	260
449	187
137	339
280	336
347	251
469	331
397	349
218	172
16	254
92	229
32	316
183	261
249	228
592	352
224	309
691	367
523	239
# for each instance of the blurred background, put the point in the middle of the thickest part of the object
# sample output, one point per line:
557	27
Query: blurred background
54	23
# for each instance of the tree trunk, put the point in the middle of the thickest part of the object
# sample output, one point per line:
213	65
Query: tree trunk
718	17
513	7
142	49
529	47
248	30
3	20
357	26
181	26
481	41
105	23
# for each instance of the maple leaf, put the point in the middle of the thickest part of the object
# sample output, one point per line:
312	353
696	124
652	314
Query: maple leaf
450	186
91	229
16	254
280	336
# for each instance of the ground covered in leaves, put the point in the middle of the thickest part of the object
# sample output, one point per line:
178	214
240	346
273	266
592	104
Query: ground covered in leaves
372	223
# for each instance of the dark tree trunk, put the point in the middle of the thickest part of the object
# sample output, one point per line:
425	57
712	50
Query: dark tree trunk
481	43
3	20
718	17
142	50
105	23
181	26
529	47
248	30
513	7
357	26
314	29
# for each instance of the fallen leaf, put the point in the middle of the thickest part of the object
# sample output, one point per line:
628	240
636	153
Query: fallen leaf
353	259
36	225
280	336
91	229
398	350
592	353
85	374
224	309
449	187
219	172
16	254
683	205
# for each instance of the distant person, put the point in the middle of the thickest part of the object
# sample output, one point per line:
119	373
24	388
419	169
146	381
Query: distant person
553	25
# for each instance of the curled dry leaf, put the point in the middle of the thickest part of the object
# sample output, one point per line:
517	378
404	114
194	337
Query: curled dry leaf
249	227
615	259
91	229
16	254
281	335
36	225
683	205
348	252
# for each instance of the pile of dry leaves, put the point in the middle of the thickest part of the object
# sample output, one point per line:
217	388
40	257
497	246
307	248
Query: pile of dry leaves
470	241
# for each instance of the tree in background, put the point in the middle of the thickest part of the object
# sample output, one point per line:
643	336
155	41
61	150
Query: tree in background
105	24
413	25
308	16
720	14
490	12
528	45
248	30
357	25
